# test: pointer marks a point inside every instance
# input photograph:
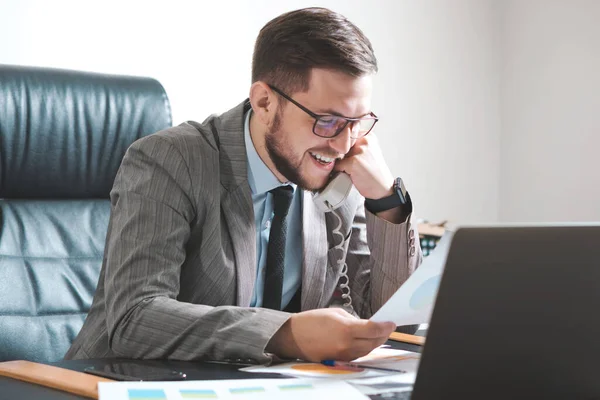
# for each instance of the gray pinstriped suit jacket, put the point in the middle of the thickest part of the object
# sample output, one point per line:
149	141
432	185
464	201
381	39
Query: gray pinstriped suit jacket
180	258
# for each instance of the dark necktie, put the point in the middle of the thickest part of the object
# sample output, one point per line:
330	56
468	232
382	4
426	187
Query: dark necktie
282	197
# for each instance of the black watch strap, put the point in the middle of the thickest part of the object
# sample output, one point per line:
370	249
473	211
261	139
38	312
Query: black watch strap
400	197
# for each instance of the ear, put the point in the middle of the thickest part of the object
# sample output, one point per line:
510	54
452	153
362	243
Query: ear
264	102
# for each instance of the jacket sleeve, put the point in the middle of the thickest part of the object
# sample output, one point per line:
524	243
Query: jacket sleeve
153	206
381	256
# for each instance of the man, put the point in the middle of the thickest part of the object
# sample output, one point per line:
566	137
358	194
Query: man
191	270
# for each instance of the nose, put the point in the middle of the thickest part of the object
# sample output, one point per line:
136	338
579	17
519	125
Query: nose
343	142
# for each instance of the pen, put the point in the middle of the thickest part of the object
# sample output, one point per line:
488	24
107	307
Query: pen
332	363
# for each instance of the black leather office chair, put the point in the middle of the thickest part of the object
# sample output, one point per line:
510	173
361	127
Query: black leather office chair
62	137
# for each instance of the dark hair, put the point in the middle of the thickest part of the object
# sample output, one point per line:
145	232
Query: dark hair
289	46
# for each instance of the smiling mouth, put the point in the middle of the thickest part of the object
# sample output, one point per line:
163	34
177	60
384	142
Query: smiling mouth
323	159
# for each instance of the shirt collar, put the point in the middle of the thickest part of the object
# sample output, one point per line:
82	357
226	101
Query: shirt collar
260	177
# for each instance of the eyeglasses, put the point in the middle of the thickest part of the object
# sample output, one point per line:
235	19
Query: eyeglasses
329	126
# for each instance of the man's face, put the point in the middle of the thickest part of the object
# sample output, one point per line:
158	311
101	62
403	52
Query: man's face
298	154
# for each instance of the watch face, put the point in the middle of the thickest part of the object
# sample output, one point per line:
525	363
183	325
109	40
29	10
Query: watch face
400	189
400	185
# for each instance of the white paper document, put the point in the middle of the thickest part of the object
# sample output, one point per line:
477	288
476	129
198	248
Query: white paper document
289	389
301	369
385	357
382	357
413	301
384	384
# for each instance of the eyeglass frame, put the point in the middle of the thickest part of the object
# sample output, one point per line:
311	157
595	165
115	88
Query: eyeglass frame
317	117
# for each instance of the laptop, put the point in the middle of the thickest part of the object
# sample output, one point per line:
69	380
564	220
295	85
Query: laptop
517	316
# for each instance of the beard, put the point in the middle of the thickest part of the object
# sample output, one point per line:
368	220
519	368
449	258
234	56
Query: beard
285	162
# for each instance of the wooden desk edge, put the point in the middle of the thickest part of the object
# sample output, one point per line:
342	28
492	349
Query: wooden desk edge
406	338
63	379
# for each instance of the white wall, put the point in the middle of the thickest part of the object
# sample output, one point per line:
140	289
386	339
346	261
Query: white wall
437	91
439	94
550	111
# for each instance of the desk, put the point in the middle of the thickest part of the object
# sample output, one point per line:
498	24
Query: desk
12	389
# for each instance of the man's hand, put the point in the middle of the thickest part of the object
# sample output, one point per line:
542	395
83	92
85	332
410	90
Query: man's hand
370	174
365	164
328	334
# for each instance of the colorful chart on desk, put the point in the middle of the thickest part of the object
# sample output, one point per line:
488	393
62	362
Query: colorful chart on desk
198	394
159	394
227	389
146	394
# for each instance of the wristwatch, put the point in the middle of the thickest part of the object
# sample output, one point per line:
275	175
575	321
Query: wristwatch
400	197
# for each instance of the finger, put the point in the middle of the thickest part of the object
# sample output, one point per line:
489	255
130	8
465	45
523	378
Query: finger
359	147
363	141
343	165
365	329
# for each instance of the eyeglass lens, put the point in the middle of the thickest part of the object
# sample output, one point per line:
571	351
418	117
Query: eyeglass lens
331	125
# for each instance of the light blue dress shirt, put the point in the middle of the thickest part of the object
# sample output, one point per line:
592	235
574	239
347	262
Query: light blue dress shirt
261	181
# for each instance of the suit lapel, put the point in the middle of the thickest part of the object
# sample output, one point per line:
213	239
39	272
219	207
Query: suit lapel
238	211
314	254
236	199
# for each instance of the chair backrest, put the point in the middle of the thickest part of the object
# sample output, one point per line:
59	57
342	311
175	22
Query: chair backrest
62	137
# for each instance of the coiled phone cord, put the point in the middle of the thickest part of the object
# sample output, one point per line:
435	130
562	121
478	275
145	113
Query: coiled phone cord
344	280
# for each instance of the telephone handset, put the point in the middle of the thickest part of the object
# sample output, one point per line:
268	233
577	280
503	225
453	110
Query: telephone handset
330	198
335	193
